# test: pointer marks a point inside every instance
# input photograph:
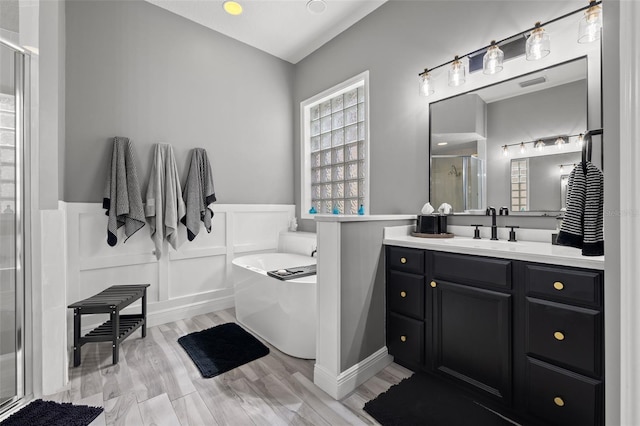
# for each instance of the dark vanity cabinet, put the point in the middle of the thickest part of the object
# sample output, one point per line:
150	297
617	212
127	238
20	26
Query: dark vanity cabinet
523	336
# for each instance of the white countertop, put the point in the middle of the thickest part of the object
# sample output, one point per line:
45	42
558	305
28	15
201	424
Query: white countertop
532	251
361	218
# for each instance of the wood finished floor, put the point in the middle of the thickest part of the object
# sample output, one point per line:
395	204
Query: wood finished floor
156	383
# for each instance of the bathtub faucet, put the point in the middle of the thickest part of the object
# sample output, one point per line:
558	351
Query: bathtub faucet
314	251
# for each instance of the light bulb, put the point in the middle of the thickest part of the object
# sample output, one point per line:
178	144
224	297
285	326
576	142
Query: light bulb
232	7
523	148
457	73
539	145
493	59
425	85
561	168
505	151
590	24
538	44
560	143
580	140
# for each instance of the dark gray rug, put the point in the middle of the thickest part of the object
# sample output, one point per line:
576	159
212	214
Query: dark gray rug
222	348
49	413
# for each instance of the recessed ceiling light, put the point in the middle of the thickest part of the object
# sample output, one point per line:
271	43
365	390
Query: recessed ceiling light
316	6
443	143
232	7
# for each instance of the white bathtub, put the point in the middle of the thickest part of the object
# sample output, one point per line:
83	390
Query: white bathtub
281	312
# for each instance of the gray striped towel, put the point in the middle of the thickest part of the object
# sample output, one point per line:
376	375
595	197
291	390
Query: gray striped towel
582	224
122	198
198	193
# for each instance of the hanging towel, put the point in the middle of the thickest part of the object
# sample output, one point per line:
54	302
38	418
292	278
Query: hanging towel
198	194
122	197
164	205
582	224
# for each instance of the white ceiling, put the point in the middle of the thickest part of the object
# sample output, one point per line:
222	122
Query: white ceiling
283	28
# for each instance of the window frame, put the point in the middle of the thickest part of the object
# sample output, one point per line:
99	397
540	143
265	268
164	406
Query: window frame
360	80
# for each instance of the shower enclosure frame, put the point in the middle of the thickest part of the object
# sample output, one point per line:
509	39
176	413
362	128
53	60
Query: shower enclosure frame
22	232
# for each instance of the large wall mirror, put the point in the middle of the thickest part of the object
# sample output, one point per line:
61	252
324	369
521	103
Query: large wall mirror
513	143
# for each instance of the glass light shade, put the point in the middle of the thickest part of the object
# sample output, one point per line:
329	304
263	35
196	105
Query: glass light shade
505	151
580	139
590	25
539	145
493	59
523	148
560	143
425	85
232	7
457	73
538	44
561	168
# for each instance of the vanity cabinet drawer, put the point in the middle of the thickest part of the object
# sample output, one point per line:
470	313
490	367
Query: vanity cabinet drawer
561	397
565	334
405	339
472	269
406	259
564	284
405	294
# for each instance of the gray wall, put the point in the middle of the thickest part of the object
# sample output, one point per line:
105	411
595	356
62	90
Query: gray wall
394	43
52	103
136	70
559	110
362	318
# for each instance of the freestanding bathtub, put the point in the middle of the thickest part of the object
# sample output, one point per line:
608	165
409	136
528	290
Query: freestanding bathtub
281	312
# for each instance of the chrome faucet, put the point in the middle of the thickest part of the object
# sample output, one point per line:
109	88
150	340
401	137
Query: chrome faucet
491	211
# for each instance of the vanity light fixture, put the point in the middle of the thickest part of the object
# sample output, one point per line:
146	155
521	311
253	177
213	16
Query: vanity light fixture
538	44
493	60
590	24
560	143
425	85
523	148
505	151
457	72
232	7
580	140
539	145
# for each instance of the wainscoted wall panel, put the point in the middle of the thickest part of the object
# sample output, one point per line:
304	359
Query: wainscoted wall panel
197	276
192	280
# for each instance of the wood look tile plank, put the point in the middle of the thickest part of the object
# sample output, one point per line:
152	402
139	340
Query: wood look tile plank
123	410
116	379
146	383
332	404
355	402
94	401
278	391
222	402
158	411
259	412
192	411
170	367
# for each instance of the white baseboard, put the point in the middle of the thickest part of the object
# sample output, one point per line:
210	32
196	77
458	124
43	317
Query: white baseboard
174	314
346	382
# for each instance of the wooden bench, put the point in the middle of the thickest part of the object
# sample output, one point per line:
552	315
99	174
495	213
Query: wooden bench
110	301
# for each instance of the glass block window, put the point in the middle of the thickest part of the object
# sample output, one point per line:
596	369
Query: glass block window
336	150
520	185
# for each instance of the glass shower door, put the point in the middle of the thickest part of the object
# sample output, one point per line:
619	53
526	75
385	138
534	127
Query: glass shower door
11	276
